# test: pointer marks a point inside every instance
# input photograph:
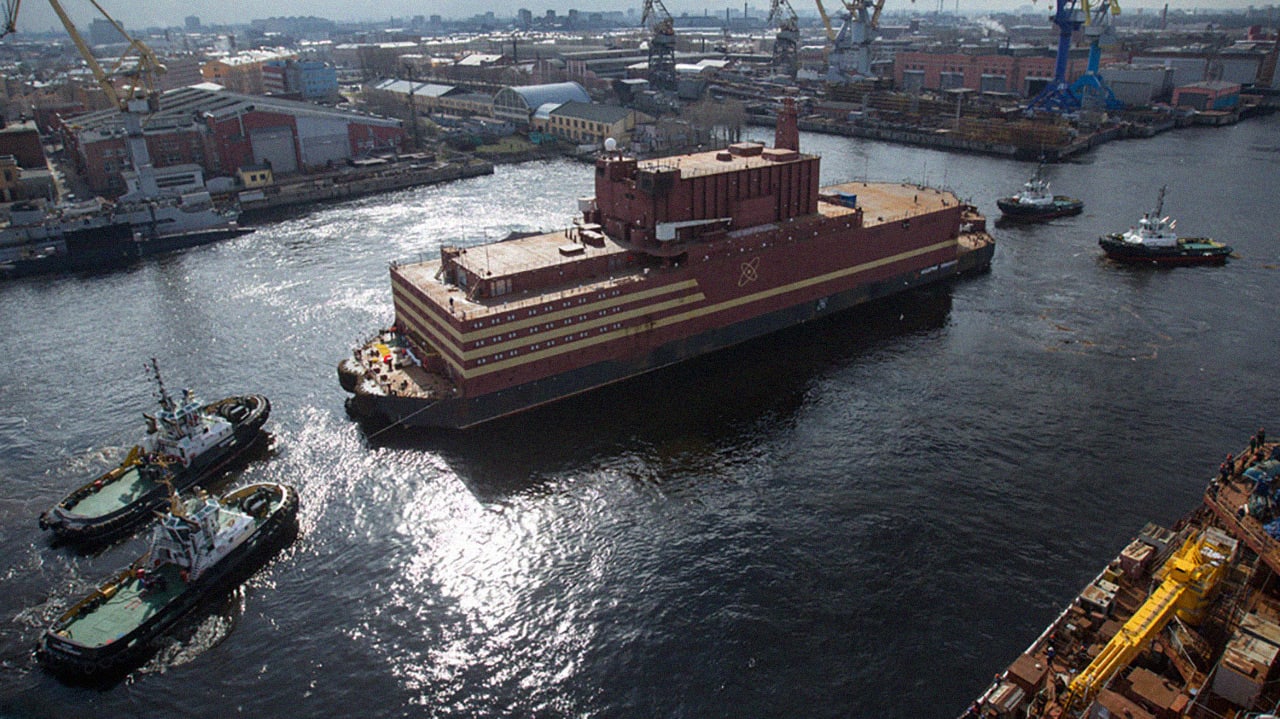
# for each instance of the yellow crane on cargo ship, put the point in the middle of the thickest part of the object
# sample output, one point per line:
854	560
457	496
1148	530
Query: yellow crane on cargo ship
1188	580
144	68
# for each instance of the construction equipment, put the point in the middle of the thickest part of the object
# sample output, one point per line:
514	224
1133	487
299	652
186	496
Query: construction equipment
787	44
1187	582
850	56
137	62
1057	96
10	17
662	44
1090	89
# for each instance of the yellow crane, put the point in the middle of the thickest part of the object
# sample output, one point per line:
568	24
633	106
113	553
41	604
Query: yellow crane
137	62
826	21
1187	583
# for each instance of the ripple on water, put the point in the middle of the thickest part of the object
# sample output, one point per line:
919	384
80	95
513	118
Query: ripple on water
865	517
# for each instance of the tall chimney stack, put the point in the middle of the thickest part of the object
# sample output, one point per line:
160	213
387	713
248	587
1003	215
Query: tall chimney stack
787	134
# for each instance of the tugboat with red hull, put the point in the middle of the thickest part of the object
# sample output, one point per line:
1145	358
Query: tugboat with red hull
671	259
1154	241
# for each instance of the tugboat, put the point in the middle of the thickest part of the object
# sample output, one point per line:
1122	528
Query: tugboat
1036	203
1154	241
201	545
186	444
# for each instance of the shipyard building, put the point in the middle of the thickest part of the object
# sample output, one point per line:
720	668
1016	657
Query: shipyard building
216	132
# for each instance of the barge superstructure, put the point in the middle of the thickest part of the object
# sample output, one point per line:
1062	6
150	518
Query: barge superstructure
672	258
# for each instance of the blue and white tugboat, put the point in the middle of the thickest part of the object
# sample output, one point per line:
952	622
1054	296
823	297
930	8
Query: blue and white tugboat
1035	202
186	444
1154	241
201	546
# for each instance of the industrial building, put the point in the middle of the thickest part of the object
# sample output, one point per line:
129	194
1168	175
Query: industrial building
221	131
517	104
1208	95
1022	75
586	123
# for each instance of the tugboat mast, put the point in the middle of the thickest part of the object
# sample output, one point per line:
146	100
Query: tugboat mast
165	400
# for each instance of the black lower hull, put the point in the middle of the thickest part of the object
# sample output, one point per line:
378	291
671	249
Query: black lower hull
169	243
113	661
467	412
78	529
1196	254
76	251
1016	211
109	248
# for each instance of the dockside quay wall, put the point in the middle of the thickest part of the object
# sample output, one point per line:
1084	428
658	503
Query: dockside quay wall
345	187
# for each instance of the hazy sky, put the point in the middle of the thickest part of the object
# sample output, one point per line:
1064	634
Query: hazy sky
37	15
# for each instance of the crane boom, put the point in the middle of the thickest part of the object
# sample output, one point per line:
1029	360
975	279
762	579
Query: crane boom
826	21
654	9
87	54
146	68
1189	578
875	15
10	17
777	15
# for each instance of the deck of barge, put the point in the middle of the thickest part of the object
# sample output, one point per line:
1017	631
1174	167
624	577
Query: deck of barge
879	202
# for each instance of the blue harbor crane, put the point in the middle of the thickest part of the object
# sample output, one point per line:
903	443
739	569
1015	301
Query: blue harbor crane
1089	90
1057	95
850	56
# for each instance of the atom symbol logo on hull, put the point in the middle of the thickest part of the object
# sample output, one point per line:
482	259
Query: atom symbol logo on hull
749	272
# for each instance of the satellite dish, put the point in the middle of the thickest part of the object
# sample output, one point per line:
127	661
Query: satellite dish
610	144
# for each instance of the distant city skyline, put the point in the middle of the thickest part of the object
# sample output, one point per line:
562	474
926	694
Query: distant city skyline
37	16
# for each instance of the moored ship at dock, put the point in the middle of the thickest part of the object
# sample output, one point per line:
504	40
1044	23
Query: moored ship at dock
1184	622
97	235
671	259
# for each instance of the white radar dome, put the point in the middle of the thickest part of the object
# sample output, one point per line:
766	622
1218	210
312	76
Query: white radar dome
610	144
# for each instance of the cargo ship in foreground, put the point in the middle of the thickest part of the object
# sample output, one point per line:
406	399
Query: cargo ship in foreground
1184	622
672	258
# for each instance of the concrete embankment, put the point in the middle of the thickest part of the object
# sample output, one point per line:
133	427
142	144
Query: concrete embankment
345	186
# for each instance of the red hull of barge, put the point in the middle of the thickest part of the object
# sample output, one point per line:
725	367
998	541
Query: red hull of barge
672	259
461	413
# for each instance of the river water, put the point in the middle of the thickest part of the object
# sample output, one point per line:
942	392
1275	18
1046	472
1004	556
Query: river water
869	516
